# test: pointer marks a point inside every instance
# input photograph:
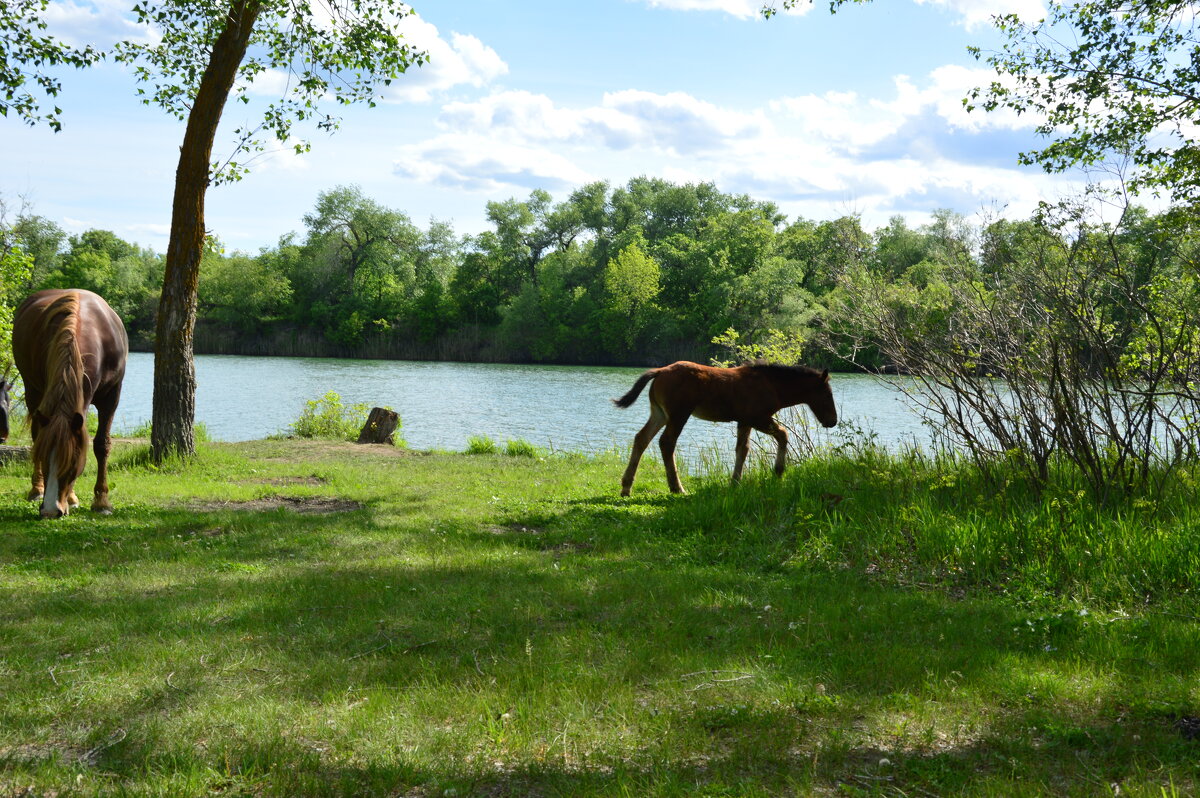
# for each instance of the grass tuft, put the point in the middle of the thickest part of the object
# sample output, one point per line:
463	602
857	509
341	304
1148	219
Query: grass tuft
520	447
481	444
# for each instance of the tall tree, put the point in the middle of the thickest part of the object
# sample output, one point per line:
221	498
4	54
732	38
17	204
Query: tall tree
345	50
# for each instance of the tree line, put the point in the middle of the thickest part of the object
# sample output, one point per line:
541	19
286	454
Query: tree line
647	272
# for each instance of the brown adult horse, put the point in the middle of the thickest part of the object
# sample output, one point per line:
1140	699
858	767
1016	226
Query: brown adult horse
70	348
750	394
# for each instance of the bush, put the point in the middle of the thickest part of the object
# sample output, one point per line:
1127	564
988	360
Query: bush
328	419
1070	340
521	448
480	444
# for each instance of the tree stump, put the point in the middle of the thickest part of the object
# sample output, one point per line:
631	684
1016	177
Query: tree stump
380	427
13	453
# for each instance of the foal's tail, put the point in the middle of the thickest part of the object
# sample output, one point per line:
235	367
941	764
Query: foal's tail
636	390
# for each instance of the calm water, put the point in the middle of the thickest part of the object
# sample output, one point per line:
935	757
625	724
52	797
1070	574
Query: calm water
442	404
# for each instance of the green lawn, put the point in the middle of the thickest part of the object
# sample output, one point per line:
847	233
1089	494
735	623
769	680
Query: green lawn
302	618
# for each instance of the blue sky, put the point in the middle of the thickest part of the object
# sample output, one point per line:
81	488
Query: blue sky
855	112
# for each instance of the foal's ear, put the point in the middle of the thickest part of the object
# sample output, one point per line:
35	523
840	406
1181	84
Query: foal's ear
76	422
825	375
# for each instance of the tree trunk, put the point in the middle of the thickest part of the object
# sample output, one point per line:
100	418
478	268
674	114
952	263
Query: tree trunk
380	427
174	408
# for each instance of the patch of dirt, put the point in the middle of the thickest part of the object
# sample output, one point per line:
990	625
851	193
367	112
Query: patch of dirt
289	481
570	547
299	450
515	529
30	753
307	505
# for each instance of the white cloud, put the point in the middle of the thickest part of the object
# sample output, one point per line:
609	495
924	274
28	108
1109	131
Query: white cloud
101	23
681	123
674	122
977	13
912	150
479	163
849	122
971	13
153	229
840	118
738	8
464	60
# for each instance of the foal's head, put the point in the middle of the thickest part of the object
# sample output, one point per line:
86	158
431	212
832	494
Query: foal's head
801	385
820	399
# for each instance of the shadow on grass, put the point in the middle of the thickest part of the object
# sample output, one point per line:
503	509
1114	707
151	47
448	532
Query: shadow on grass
718	677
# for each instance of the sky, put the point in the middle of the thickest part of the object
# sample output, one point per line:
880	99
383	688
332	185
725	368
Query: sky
858	112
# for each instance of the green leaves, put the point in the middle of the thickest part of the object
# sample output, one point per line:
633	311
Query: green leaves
26	56
345	52
1108	81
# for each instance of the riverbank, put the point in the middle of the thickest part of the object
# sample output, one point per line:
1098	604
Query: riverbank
301	618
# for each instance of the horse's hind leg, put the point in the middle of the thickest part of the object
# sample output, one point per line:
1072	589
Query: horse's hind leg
743	447
640	441
667	444
101	446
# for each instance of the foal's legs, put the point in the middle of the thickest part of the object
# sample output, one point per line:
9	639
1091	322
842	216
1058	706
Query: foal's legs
640	441
743	447
776	431
101	446
667	444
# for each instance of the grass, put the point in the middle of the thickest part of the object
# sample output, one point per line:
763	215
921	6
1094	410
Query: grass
293	617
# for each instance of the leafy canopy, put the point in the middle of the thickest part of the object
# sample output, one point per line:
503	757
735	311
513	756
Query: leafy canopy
1107	77
27	56
346	51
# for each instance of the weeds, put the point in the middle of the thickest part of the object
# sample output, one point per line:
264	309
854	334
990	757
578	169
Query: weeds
480	444
328	418
522	448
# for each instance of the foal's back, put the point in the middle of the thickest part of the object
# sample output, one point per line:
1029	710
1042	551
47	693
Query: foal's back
742	393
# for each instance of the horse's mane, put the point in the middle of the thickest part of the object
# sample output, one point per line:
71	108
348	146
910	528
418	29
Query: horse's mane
63	396
781	370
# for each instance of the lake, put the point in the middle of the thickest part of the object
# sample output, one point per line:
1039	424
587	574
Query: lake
442	404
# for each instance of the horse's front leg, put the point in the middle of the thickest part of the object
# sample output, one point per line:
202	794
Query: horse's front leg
776	431
38	483
640	441
667	445
743	448
101	447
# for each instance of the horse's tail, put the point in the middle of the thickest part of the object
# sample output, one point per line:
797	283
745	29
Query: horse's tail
63	395
636	390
